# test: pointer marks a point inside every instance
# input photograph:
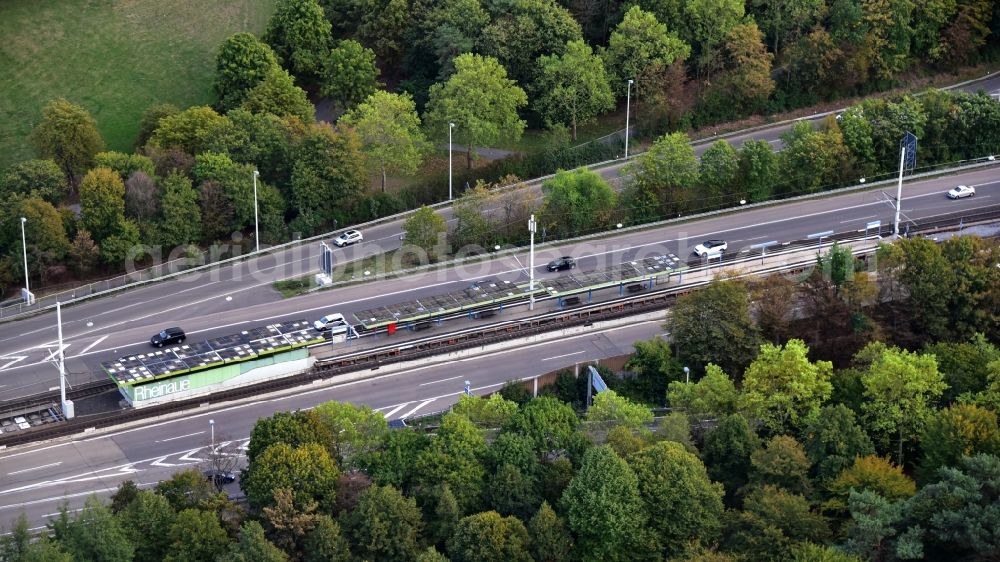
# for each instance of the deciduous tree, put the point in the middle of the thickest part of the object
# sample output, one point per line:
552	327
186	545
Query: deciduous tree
278	95
664	175
524	30
92	533
253	546
425	230
604	509
196	535
146	522
299	34
242	62
712	395
307	470
608	406
188	130
181	222
833	439
713	325
572	88
639	48
783	463
349	74
901	388
782	388
40	178
68	135
758	171
718	172
390	130
550	539
102	202
961	430
480	100
488	537
684	507
385	525
577	202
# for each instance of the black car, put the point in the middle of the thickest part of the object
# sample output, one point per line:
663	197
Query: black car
219	477
562	263
167	337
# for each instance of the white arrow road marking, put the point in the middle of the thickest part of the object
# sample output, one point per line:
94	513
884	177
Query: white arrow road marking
11	359
159	462
187	456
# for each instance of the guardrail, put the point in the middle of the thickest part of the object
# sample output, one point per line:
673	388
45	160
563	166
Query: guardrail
374	358
181	266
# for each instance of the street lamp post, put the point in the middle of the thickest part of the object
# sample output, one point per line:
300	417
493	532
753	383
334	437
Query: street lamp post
450	127
256	229
24	246
532	226
211	426
687	375
628	103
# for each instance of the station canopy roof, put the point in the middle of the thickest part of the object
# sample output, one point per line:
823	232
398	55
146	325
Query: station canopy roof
246	345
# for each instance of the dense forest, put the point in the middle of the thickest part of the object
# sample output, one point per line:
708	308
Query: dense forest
846	414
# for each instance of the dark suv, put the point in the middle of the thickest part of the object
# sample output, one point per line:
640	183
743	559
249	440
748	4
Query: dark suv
167	337
219	477
562	263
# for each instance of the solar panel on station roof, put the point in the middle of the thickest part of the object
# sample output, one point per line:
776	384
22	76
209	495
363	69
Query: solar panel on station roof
478	294
248	344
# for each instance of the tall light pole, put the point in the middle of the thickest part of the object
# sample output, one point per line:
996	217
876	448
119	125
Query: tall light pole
24	246
211	425
532	226
67	407
899	191
256	229
628	104
450	127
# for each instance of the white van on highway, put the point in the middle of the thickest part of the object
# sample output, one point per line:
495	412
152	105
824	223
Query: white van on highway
334	322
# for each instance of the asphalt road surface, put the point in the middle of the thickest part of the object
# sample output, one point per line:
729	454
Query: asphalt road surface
106	328
37	480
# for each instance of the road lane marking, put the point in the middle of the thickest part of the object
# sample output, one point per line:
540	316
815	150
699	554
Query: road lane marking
393	411
442	380
413	411
565	355
11	359
34	468
179	437
65	346
97	341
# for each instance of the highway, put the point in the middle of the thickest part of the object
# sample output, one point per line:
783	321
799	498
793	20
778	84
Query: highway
220	300
102	329
36	480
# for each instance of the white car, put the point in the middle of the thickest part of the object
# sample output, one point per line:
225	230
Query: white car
961	191
334	322
710	247
348	238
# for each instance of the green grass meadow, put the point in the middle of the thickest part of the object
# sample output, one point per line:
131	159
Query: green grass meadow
113	57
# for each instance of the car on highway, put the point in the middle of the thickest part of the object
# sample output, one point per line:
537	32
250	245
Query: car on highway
167	337
334	322
961	191
348	237
559	264
219	477
710	247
